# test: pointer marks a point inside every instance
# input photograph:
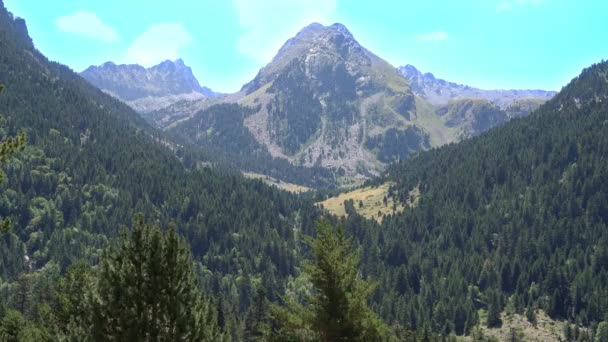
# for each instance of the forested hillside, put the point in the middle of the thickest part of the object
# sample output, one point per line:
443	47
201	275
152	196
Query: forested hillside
513	220
220	130
115	231
91	164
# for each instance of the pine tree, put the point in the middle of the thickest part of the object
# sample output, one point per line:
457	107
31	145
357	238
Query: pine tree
8	147
147	291
602	332
493	319
256	325
11	326
531	315
338	308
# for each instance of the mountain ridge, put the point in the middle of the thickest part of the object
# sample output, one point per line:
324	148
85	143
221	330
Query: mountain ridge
439	91
326	101
148	89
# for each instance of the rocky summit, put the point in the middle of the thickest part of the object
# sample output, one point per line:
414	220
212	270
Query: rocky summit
325	100
148	89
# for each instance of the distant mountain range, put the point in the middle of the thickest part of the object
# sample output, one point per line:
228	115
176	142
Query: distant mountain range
148	89
440	92
323	101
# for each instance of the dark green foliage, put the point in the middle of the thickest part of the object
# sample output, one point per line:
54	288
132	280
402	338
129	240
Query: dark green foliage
257	327
602	332
300	101
337	309
531	315
15	328
520	211
146	290
11	326
397	144
493	320
8	147
295	112
91	163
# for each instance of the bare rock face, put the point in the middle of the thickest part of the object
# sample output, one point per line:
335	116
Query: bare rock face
148	89
312	103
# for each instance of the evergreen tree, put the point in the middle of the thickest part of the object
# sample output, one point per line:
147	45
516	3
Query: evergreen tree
531	315
11	326
72	309
147	291
256	324
493	319
337	310
8	147
602	332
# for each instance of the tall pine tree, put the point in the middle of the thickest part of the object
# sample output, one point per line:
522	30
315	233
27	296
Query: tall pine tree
337	309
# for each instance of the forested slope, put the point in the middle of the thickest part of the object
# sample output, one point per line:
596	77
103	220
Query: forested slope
512	219
91	164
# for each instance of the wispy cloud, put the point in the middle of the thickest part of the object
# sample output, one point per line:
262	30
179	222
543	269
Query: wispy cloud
511	4
504	6
267	24
87	24
432	36
157	43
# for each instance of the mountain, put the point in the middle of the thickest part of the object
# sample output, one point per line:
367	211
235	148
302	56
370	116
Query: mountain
512	219
440	92
326	101
148	89
92	163
322	98
323	102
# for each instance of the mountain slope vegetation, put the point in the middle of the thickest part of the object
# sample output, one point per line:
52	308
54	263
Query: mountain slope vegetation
510	221
91	163
513	219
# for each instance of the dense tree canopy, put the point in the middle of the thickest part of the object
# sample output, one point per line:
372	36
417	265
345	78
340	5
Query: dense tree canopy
147	290
514	220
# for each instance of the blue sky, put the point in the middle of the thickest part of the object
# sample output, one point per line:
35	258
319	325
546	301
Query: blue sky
484	43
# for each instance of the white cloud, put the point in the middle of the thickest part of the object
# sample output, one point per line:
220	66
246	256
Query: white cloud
529	2
267	24
432	36
504	6
87	24
509	5
158	43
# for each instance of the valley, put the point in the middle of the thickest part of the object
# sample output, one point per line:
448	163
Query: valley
335	196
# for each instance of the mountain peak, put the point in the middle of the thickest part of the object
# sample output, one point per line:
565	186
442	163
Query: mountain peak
312	27
169	80
313	41
341	28
410	68
169	63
